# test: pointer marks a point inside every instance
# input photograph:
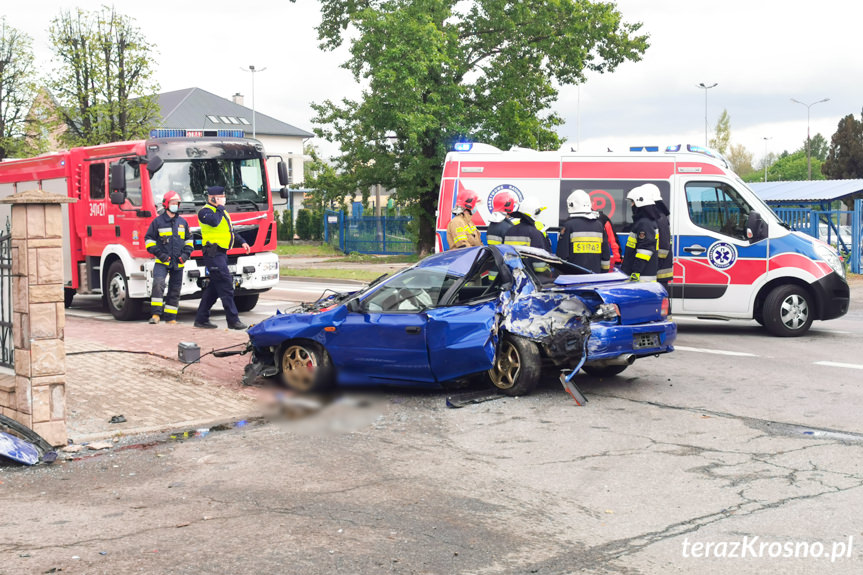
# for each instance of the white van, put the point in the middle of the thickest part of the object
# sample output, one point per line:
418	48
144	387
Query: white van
733	257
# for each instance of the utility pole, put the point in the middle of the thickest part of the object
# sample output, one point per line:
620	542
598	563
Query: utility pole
705	87
808	142
253	70
765	138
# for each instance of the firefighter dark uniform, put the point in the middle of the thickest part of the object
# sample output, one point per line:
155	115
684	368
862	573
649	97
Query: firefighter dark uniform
217	237
525	233
665	256
461	233
496	231
583	242
169	240
640	256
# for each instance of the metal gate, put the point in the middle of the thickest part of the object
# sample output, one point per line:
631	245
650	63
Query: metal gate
7	347
840	228
369	234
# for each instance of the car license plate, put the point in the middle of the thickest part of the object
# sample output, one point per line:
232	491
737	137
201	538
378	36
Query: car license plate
643	340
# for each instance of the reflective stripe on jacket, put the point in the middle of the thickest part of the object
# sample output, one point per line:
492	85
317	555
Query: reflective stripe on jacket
220	234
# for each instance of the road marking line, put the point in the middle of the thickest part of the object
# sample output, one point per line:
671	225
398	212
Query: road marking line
713	351
837	364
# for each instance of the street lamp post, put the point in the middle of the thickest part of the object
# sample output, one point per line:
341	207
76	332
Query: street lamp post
706	87
808	144
253	70
765	138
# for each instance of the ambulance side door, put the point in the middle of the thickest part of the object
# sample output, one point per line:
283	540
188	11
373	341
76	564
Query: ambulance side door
714	258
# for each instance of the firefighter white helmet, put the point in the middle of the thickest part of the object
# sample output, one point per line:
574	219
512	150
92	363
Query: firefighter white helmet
578	202
641	195
530	207
652	191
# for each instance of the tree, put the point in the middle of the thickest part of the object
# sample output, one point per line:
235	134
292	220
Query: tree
104	82
818	146
845	157
437	71
722	138
740	159
17	88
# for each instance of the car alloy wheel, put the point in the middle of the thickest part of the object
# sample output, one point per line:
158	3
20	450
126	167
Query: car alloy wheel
299	367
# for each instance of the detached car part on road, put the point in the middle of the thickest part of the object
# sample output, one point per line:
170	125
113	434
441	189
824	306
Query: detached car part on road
497	310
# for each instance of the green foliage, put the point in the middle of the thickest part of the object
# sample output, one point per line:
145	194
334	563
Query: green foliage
845	157
285	225
819	146
740	159
17	89
304	224
792	167
104	82
722	137
435	71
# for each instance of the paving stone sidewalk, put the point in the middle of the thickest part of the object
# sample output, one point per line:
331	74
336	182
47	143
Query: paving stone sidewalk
148	386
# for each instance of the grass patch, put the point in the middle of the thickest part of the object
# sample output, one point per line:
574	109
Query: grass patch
305	250
357	258
331	273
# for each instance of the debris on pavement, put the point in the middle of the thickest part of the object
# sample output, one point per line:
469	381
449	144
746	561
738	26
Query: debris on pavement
18	450
462	399
117	419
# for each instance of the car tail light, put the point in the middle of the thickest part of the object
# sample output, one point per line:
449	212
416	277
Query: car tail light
607	311
664	309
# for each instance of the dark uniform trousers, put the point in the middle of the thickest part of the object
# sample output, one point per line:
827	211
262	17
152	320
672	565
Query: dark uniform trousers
220	286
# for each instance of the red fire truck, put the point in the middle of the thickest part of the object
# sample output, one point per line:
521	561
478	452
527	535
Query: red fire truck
119	188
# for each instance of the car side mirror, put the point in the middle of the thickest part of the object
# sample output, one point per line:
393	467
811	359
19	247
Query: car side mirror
118	198
756	228
354	305
118	179
285	193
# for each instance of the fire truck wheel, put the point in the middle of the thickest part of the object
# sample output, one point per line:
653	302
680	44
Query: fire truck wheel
788	311
121	306
246	302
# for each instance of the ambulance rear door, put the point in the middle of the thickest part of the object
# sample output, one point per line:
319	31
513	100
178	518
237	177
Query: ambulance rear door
718	268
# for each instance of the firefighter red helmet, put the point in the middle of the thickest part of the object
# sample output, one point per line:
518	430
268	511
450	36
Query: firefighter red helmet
505	202
466	199
171	195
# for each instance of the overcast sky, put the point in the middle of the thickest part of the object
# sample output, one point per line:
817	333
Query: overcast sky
760	53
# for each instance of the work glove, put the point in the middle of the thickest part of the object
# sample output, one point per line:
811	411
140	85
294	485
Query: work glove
634	277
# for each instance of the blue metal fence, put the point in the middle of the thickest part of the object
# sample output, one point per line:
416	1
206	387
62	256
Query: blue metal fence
369	234
840	228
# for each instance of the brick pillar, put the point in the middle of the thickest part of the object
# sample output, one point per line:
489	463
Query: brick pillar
39	397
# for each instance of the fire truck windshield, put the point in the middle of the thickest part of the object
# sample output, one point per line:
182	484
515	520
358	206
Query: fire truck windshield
243	180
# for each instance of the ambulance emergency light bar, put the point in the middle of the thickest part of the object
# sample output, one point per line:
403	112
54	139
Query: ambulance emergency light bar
672	149
182	133
462	146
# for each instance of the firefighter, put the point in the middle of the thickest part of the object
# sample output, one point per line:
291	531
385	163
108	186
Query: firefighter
640	256
582	240
461	232
665	255
169	240
217	237
528	231
612	241
503	205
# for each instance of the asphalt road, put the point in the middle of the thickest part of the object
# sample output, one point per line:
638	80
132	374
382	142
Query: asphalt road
737	453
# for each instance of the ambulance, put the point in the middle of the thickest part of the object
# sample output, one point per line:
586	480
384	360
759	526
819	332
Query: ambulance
733	257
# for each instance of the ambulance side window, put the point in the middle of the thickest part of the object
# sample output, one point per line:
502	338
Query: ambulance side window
717	207
97	181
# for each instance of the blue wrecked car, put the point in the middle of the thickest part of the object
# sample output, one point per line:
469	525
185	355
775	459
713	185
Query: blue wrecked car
501	312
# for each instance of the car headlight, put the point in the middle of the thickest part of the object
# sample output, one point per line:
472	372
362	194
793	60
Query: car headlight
829	255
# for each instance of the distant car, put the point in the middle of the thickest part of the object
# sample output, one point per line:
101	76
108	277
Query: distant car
497	310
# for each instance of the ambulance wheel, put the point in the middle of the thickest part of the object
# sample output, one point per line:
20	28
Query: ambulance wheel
121	306
246	302
305	367
788	311
604	371
516	367
68	295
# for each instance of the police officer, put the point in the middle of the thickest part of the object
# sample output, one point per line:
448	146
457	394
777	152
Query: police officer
640	257
527	231
169	240
582	240
503	204
217	237
664	253
461	232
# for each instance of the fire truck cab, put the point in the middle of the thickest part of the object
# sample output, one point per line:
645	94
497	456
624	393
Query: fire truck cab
119	189
733	257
